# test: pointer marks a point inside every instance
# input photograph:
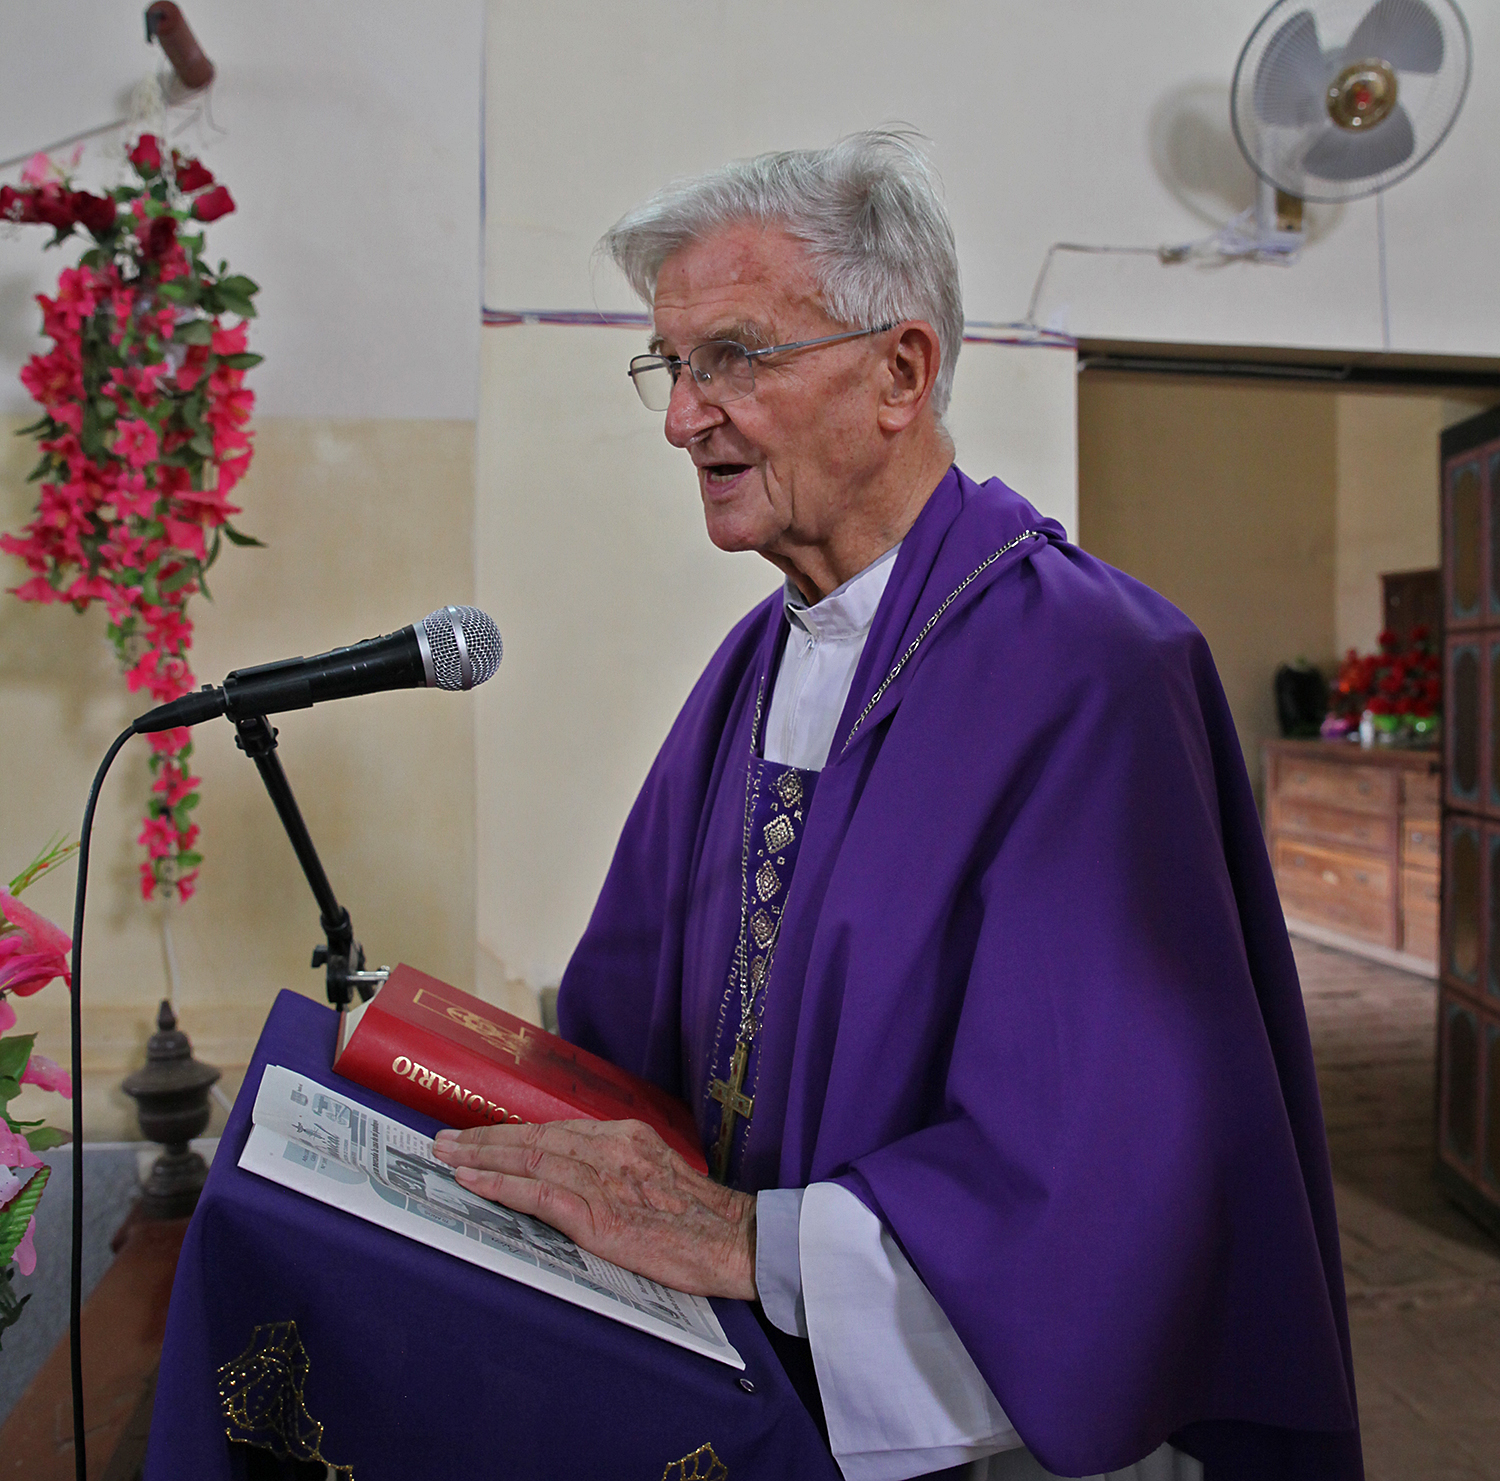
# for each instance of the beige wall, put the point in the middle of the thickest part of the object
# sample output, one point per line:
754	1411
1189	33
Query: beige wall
368	525
1387	503
1221	497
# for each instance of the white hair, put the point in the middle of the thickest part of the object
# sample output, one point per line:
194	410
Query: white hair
866	209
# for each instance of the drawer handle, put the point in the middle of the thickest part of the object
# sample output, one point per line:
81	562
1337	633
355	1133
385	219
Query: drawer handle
1418	837
1364	788
1330	877
1361	876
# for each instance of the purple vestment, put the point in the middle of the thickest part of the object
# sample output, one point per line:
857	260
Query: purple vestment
1032	1000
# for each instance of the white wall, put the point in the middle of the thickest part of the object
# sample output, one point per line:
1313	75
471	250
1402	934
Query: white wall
1070	120
351	146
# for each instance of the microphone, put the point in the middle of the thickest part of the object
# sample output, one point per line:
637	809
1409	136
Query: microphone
452	648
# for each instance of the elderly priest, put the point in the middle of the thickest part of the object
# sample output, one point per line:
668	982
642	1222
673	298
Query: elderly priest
945	908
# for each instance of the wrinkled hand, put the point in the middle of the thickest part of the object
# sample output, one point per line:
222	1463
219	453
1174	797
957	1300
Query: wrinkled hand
616	1189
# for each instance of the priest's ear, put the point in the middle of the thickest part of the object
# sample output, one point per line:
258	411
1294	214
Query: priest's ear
910	371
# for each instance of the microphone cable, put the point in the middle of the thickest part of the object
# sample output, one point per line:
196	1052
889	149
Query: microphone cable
75	1293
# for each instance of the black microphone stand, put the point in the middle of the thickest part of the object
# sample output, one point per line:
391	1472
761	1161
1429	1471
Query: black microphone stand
343	956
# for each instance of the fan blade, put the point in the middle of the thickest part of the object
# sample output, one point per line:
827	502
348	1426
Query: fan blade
1292	74
1340	155
1404	33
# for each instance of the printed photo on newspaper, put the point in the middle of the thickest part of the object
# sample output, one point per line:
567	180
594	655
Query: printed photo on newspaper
321	1143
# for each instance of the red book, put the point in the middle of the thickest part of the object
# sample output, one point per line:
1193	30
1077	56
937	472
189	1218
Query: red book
467	1063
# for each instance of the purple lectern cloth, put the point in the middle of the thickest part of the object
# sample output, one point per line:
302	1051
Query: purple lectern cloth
1033	1000
422	1365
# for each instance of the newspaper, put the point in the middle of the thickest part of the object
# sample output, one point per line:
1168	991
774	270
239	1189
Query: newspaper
319	1142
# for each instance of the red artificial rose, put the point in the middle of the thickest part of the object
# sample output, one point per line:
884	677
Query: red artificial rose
191	174
213	204
146	156
160	237
17	205
54	207
96	212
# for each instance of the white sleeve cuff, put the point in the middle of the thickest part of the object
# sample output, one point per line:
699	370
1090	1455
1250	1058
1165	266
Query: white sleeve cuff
778	1268
901	1395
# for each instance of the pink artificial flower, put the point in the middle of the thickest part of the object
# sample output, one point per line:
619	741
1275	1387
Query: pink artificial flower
53	378
158	836
229	341
186	535
7	1021
174	784
15	1150
25	1252
169	742
34	952
39	170
48	1074
186	884
136	442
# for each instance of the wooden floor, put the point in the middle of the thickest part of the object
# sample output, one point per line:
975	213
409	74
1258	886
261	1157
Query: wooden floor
1423	1281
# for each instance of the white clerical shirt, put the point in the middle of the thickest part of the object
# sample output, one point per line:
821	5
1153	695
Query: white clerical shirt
900	1393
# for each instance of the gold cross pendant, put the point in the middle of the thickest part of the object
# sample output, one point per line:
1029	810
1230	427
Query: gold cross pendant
730	1094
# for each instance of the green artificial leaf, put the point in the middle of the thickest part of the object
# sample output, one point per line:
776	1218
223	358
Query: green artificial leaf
41	424
189	860
44	1138
40	471
207	594
176	291
239	286
202	441
178	579
16	1214
234	303
10	1088
236	538
241	362
105	409
194	332
15	1050
10	1305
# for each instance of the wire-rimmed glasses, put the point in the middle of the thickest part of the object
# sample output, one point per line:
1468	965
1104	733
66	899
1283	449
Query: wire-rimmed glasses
722	369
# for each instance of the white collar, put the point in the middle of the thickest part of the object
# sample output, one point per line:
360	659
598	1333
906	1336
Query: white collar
848	611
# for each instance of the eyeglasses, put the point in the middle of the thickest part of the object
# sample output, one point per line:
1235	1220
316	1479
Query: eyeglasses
722	369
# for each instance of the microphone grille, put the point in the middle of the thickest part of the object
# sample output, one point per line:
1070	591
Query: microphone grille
465	644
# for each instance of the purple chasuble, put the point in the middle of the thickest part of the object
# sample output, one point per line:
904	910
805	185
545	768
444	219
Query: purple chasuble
1032	998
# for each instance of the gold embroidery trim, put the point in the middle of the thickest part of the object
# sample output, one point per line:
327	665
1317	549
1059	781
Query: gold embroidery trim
261	1394
699	1465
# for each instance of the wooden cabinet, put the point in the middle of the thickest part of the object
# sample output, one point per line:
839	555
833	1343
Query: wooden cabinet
1355	842
1468	1067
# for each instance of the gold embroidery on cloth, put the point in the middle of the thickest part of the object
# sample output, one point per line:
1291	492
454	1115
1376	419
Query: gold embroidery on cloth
261	1395
779	833
701	1465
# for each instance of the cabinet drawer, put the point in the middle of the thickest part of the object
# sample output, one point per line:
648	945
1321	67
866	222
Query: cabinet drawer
1318	822
1420	894
1422	843
1422	792
1368	789
1353	893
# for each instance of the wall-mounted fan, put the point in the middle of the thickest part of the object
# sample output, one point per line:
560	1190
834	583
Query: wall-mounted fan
1336	99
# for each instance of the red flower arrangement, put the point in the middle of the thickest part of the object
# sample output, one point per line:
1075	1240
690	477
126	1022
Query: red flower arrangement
1396	681
143	438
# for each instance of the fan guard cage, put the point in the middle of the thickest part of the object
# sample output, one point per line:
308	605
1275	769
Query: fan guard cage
1279	102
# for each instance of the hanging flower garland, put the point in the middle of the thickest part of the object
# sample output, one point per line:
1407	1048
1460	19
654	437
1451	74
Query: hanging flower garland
143	437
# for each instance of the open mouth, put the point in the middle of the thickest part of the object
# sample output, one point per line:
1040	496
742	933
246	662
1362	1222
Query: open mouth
719	473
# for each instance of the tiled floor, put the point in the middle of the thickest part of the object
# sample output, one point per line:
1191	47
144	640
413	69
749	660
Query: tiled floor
1423	1281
